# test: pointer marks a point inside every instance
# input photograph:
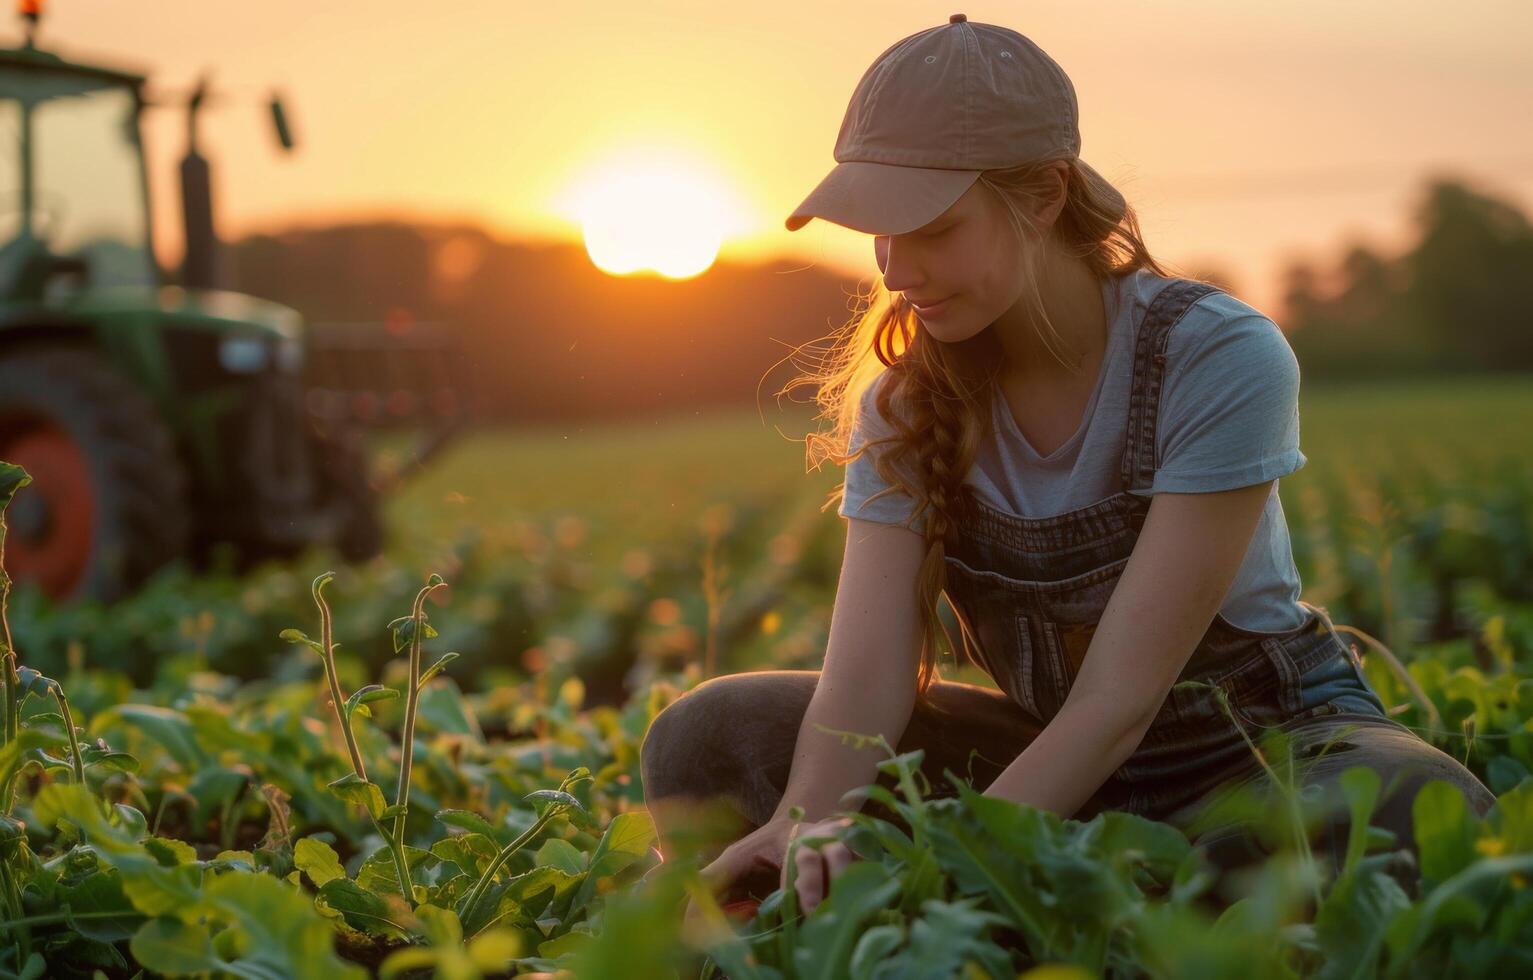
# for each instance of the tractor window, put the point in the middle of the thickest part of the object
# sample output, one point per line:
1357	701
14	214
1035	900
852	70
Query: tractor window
90	196
10	170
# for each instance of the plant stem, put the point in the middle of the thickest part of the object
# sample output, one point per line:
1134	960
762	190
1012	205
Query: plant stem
483	884
407	741
13	912
74	741
12	699
1290	797
52	917
337	700
337	704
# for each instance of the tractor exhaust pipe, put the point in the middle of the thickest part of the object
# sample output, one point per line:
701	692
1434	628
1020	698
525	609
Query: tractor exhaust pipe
200	264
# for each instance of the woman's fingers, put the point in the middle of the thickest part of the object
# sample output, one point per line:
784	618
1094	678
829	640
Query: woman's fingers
817	866
838	856
811	883
817	869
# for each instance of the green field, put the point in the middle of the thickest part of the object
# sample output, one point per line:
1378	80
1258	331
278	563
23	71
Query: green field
593	573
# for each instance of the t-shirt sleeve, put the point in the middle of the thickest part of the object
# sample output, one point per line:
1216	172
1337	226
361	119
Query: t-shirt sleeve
1230	410
862	478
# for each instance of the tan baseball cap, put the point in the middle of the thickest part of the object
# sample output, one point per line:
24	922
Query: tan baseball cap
935	110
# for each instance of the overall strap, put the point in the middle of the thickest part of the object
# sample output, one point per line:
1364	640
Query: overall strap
1166	310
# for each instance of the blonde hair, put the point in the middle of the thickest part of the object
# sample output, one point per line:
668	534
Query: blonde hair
943	390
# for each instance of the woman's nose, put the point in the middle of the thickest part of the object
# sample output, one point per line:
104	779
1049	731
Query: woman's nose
892	262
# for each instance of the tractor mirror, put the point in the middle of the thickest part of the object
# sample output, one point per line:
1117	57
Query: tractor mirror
279	122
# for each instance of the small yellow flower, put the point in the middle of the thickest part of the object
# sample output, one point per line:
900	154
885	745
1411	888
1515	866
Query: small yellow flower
1490	846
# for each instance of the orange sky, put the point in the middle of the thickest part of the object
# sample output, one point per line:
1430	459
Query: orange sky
1243	133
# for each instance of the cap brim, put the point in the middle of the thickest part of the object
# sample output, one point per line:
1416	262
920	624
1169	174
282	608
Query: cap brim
881	198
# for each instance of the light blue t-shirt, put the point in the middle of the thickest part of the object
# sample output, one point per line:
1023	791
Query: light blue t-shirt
1229	417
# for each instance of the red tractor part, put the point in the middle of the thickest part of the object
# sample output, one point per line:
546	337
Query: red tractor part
52	525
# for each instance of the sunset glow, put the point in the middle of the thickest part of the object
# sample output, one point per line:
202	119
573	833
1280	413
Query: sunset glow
655	214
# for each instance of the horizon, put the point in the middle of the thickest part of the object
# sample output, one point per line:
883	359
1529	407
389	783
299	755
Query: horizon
751	100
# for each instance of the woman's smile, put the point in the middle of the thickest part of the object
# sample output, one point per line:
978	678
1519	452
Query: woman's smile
934	309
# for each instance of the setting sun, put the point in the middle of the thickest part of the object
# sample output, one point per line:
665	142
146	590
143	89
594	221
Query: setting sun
661	214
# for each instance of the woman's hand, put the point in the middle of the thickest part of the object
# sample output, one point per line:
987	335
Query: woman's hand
745	868
818	865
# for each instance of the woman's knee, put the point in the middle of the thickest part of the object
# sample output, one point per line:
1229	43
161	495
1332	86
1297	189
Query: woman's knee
1405	764
696	742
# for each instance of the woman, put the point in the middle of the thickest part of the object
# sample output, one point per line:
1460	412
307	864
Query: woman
1079	449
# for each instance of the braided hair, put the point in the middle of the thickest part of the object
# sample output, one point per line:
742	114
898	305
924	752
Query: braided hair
937	396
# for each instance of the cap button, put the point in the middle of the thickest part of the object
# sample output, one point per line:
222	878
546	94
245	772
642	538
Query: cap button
957	19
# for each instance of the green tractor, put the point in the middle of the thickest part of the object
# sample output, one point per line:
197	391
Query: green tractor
157	420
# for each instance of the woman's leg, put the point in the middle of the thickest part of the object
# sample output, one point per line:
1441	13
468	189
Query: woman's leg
715	762
1322	749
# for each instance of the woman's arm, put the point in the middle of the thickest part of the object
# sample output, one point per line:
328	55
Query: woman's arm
1183	563
869	679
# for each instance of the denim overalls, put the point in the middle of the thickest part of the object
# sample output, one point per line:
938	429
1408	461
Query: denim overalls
1029	592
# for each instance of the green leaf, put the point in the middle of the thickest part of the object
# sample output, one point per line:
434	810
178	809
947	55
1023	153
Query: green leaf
951	934
14	754
442	925
276	928
873	948
107	759
173	730
626	839
132	820
557	852
152	888
467	820
555	796
170	852
360	908
443	708
523	896
1352	922
438	667
470	852
394	810
367	695
215	786
318	860
318	587
378	874
174	947
1445	830
1453	900
34	683
828	936
12	478
97	894
354	789
403	629
300	637
1360	784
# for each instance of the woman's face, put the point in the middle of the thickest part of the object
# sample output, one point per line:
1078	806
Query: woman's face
966	261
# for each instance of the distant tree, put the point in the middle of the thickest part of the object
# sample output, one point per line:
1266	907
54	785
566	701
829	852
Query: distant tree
1453	301
1469	274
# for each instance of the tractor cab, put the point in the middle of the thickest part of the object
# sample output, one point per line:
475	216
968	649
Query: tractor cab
158	420
74	206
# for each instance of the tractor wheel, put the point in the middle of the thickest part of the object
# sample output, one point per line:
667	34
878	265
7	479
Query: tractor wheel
346	474
108	501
